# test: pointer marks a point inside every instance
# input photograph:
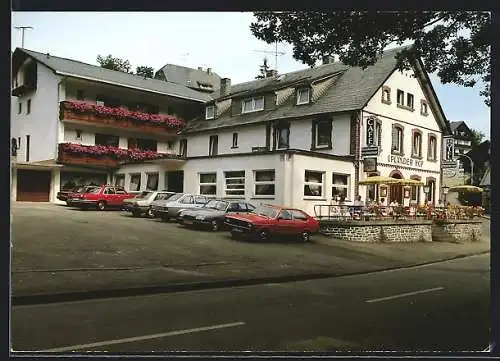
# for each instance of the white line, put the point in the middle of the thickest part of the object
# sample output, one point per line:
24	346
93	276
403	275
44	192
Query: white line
404	295
142	338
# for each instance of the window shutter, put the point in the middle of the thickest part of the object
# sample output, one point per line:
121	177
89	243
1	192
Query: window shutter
314	126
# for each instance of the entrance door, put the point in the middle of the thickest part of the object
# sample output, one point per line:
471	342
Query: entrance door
175	181
33	185
396	190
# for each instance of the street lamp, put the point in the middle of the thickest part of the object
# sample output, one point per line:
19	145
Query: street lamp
445	192
471	166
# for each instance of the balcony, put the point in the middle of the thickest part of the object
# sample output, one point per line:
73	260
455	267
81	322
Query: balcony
119	118
105	156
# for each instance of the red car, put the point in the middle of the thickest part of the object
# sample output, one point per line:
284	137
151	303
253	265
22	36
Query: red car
268	220
100	197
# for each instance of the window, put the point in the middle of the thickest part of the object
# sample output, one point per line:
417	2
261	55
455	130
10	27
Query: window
170	144
285	215
152	181
208	183
135	182
187	200
79	94
19	108
120	190
323	133
146	144
99	100
28	106
386	95
340	185
303	96
234	183
264	182
235	140
109	190
252	104
416	149
210	112
397	139
378	134
313	184
424	108
120	180
28	138
409	100
282	136
213	145
415	192
107	140
170	110
78	134
298	215
401	97
431	151
431	195
183	147
200	200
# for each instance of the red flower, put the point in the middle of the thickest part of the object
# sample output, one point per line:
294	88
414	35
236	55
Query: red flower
121	113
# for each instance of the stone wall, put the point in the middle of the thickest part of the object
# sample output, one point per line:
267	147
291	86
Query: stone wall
457	230
378	231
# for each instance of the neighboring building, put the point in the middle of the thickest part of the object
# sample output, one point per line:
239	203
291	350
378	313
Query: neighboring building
462	136
480	155
301	138
42	120
198	79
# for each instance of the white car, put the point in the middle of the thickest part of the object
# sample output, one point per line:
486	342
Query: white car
170	208
141	203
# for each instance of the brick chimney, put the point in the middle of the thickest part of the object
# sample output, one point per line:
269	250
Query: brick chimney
225	86
209	70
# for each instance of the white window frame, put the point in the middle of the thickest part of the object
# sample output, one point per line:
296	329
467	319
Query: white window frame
267	182
253	107
299	92
400	131
130	182
346	186
232	190
408	97
210	115
399	91
321	184
122	177
200	184
157	174
432	152
416	152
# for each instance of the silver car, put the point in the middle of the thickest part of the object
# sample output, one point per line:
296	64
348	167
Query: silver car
141	203
169	208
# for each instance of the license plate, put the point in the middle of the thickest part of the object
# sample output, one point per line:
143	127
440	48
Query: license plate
237	230
188	222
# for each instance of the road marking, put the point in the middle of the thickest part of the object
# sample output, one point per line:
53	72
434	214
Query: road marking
142	338
404	295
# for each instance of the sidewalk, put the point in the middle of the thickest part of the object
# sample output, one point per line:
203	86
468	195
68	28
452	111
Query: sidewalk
334	258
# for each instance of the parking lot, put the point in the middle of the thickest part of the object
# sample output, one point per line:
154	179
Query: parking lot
57	248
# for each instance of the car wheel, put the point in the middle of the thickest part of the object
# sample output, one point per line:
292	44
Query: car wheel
165	218
263	235
150	213
215	225
101	205
305	236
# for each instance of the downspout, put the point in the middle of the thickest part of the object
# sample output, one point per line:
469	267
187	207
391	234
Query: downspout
357	130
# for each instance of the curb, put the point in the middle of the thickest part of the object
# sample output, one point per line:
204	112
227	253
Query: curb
39	299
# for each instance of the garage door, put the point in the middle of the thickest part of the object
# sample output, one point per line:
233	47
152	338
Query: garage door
33	185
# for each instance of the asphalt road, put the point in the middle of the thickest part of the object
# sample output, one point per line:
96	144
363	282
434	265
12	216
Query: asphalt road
439	307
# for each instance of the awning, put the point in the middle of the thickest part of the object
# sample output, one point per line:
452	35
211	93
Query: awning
410	182
466	188
379	180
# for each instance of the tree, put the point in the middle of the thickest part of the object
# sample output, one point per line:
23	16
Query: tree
145	71
265	70
476	138
114	63
455	44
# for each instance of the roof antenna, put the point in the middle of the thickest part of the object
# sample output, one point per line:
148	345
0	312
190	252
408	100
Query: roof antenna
23	28
275	52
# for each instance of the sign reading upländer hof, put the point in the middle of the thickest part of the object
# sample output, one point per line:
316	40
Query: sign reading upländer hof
396	159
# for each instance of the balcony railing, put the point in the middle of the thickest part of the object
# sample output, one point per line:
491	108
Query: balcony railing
106	156
120	118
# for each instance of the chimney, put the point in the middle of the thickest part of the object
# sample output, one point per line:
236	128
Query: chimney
209	70
225	86
200	68
274	73
48	55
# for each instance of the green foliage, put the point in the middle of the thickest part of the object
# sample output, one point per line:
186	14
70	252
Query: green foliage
455	44
145	71
118	64
477	137
264	70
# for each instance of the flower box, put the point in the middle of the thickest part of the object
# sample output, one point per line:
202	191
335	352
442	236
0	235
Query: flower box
119	117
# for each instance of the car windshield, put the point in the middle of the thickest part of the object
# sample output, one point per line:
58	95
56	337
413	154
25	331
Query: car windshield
93	190
215	204
163	196
143	195
175	197
266	211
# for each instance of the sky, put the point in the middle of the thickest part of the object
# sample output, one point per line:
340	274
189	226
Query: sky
218	40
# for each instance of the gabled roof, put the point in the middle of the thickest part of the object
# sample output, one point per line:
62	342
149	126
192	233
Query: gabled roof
189	77
77	69
350	89
454	125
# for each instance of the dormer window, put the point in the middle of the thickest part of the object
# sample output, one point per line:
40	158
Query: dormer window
210	112
303	96
252	104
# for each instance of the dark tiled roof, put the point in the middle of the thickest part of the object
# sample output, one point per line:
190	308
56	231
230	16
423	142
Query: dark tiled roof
190	77
96	73
351	91
455	125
